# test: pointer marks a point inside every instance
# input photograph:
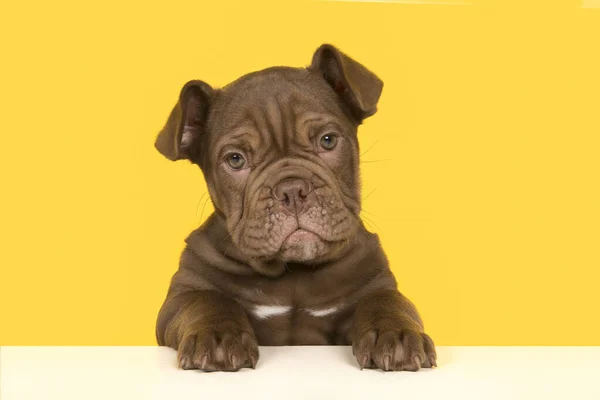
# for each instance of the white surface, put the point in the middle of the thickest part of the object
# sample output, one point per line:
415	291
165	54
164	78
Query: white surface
287	373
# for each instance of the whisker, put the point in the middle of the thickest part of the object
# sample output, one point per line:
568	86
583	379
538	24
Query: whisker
199	201
203	207
370	193
345	243
367	150
224	238
228	246
368	223
371	222
371	214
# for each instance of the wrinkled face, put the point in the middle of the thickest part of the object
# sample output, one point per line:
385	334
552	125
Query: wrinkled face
281	162
279	152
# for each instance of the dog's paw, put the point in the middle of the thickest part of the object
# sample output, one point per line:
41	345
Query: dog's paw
394	350
218	351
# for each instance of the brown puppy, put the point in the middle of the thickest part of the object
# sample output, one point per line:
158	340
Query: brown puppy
285	258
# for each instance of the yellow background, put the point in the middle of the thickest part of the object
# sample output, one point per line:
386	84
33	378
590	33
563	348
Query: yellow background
481	169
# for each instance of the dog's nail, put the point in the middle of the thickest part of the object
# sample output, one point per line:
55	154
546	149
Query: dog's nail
234	361
432	360
204	361
182	362
386	362
417	361
253	361
363	361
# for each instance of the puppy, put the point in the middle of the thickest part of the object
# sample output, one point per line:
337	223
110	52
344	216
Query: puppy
285	258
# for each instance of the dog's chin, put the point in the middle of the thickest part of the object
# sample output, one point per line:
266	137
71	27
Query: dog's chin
302	246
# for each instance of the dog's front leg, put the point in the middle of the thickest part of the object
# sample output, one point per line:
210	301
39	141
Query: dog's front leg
209	331
387	333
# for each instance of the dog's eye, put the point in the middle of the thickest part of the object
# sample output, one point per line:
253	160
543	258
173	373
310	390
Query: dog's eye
328	141
236	161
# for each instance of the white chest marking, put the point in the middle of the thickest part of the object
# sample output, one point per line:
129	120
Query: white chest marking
323	312
264	312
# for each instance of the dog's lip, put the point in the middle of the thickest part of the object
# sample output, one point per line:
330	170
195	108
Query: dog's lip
300	235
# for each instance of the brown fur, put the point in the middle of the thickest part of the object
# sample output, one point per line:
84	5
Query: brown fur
286	231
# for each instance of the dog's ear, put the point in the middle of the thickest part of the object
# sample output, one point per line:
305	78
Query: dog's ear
358	87
180	137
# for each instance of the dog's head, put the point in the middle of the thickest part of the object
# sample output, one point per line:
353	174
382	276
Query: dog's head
279	152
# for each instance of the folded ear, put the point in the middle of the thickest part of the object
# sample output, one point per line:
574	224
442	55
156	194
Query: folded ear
180	137
358	87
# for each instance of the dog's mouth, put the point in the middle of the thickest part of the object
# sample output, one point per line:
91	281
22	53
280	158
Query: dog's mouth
302	245
300	236
272	232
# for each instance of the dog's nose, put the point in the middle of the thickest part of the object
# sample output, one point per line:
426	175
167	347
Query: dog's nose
292	193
